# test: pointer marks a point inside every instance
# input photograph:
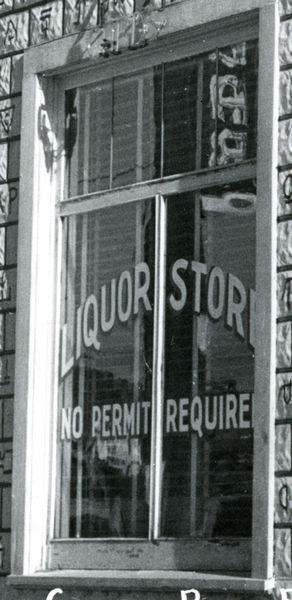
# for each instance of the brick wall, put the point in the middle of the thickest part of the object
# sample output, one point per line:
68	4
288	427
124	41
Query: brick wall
283	466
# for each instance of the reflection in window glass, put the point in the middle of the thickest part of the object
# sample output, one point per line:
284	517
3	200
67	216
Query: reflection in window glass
106	372
209	364
181	116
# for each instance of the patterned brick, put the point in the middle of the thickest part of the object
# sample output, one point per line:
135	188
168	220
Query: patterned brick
282	553
79	14
284	187
8	202
14	32
46	22
16	73
285	243
284	345
20	3
5	71
5	462
117	9
151	5
6	418
284	396
6	508
285	92
7	289
11	245
13	160
285	7
10	117
6	374
5	5
9	339
5	540
3	161
283	499
285	142
284	294
285	42
283	448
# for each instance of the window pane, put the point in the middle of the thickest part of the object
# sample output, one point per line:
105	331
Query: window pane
106	372
136	128
182	116
229	110
209	364
179	116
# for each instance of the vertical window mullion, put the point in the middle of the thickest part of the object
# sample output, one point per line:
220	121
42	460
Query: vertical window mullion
162	122
112	138
81	382
199	115
216	108
158	367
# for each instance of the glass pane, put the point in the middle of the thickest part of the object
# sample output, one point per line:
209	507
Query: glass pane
106	372
209	363
179	116
229	112
136	128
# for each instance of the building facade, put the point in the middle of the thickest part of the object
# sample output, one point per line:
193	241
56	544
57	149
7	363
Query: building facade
145	391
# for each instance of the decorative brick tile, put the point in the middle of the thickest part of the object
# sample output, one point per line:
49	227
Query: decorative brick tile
24	3
285	142
79	14
11	244
148	5
284	251
10	117
285	7
5	70
14	32
284	294
16	73
285	189
6	508
9	337
5	539
6	418
117	9
283	448
5	5
2	247
46	22
284	396
285	97
283	500
7	290
13	160
283	567
284	342
8	202
285	42
2	332
6	374
5	462
3	161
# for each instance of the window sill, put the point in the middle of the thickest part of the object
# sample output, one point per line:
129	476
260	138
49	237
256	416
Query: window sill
140	580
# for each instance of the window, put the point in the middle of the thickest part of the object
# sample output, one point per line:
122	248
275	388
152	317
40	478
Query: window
150	339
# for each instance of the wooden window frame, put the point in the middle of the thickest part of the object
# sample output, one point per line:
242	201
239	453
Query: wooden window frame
46	75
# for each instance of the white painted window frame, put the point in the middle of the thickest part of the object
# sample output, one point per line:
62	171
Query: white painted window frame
39	271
